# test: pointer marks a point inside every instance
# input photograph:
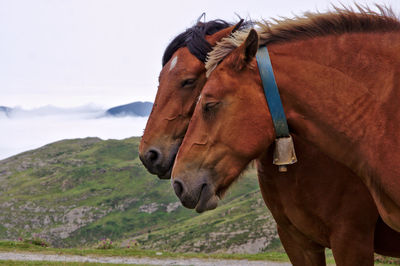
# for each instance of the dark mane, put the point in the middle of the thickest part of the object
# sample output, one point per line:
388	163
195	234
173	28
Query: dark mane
194	39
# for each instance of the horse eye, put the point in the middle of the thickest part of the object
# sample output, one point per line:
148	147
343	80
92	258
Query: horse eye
209	106
188	82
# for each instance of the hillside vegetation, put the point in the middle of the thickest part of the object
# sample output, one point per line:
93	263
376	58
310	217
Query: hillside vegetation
76	192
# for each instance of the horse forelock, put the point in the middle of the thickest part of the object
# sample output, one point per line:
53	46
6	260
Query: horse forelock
339	21
194	39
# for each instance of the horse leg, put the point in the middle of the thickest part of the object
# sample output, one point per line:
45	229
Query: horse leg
301	250
353	247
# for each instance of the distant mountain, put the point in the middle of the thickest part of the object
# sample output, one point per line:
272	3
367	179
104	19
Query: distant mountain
131	109
6	110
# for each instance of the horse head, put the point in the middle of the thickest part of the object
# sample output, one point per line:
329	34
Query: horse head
230	127
180	82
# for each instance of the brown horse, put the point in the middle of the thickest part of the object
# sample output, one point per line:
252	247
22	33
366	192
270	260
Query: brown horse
309	213
338	76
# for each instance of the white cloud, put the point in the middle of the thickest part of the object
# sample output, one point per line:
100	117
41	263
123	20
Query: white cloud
30	129
86	111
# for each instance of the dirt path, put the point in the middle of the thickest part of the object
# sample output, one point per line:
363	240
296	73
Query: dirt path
131	260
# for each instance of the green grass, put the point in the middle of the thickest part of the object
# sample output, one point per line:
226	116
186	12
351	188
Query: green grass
12	246
57	263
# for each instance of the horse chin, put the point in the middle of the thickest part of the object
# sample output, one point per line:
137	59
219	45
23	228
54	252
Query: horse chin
208	200
208	205
171	160
167	175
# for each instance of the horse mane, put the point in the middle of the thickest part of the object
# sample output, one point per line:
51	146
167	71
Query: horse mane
339	21
194	39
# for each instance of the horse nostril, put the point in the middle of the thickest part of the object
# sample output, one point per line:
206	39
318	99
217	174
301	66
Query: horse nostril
153	155
178	187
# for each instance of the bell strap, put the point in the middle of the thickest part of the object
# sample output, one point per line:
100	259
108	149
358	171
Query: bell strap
272	93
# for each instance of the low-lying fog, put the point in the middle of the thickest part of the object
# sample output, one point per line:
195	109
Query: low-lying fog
24	130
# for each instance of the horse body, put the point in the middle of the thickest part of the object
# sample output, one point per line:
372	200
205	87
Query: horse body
318	203
329	207
339	89
348	106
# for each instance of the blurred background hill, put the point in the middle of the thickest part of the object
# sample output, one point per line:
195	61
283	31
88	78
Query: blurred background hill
76	192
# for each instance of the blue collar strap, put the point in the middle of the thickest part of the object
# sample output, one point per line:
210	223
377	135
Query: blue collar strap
272	93
284	153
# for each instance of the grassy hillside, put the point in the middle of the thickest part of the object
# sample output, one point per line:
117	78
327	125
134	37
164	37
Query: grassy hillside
75	192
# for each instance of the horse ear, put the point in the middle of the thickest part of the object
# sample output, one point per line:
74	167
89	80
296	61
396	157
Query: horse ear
216	37
245	53
250	46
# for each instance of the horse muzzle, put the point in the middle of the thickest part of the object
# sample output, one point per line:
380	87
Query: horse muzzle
159	163
199	195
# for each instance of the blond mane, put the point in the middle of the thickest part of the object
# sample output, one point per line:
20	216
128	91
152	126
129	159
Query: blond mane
339	21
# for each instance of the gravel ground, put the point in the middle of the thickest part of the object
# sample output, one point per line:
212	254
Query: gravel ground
131	260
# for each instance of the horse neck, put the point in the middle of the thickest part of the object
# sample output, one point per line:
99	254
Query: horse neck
338	90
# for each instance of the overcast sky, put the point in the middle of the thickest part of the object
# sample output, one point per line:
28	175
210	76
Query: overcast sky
108	52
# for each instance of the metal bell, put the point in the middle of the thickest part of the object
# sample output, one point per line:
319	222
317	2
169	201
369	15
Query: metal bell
284	153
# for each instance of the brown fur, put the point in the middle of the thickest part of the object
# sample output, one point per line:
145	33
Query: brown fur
340	93
318	203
